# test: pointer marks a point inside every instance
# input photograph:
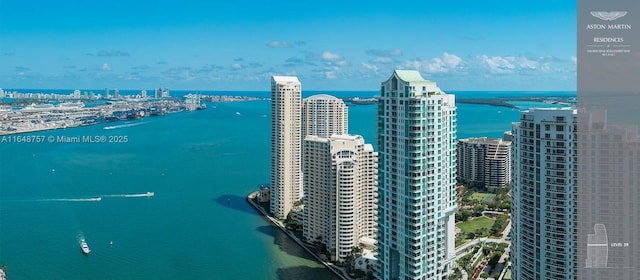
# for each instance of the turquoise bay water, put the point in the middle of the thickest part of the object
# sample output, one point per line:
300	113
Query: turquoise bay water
200	165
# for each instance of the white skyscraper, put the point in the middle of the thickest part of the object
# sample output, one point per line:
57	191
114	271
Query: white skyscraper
543	207
286	141
341	190
417	178
324	115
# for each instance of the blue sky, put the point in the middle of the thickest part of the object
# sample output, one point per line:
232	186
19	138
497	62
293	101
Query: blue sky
329	45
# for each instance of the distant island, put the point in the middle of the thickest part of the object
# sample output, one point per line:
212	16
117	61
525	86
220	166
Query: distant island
491	102
501	102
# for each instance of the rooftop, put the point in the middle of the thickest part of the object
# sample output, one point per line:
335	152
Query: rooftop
286	79
410	76
482	140
322	96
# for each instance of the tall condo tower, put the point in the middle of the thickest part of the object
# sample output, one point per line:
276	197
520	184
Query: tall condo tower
484	161
286	141
340	179
417	178
543	207
324	115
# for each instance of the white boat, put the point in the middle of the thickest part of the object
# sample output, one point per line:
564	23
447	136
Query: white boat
150	194
37	108
70	106
84	247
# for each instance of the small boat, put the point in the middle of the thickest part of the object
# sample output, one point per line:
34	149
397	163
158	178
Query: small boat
97	198
84	247
150	194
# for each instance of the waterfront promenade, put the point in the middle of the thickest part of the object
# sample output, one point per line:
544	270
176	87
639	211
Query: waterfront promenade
336	270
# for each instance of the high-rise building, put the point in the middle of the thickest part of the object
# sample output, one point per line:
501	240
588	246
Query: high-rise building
340	179
497	165
143	93
543	207
608	215
286	142
506	136
484	161
116	93
417	179
324	115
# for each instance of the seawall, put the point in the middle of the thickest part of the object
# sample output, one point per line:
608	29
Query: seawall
281	226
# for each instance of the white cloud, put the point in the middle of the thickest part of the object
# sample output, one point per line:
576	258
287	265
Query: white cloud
412	64
383	56
331	74
524	63
445	64
497	64
371	67
342	63
383	59
236	66
279	44
574	59
329	56
105	67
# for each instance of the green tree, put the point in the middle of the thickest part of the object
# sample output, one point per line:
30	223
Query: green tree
494	259
463	215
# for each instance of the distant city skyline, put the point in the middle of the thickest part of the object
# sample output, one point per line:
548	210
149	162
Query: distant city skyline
495	45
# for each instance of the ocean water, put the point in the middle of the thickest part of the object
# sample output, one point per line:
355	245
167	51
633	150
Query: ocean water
200	165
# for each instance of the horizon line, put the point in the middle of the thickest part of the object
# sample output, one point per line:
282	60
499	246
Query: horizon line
267	90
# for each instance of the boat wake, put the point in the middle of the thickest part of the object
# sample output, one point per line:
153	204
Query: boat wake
148	194
90	199
71	199
123	125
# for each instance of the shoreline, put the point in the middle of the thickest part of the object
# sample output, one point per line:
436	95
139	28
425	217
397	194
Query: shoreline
280	226
38	129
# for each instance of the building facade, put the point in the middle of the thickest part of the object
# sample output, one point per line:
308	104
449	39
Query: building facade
286	140
484	162
324	115
417	179
341	186
543	208
608	195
